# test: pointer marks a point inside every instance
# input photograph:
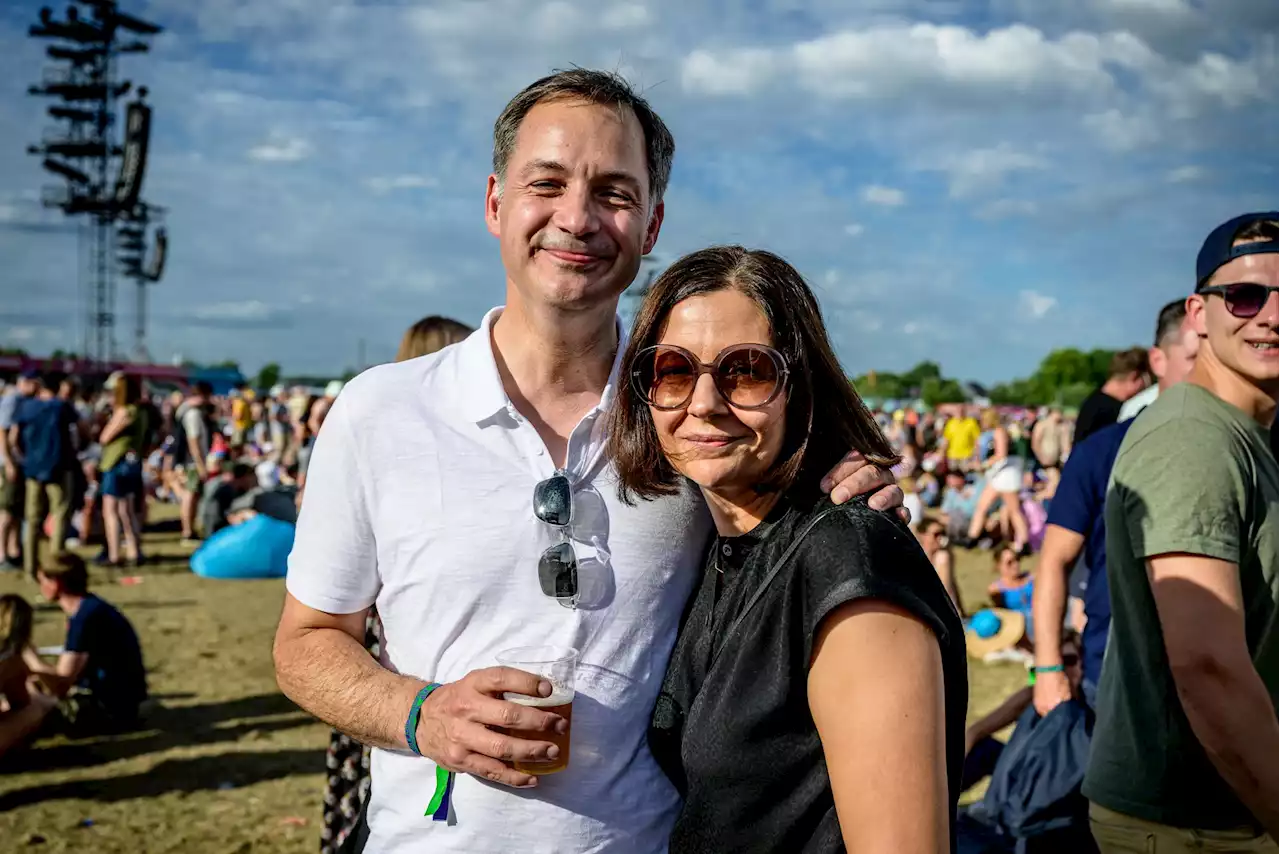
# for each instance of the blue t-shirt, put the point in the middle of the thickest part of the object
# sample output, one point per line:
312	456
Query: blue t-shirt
45	425
114	673
1078	506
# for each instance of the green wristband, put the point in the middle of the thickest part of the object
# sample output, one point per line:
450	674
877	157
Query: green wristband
411	723
1049	668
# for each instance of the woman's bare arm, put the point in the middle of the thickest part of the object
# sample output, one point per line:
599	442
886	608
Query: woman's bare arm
876	694
120	419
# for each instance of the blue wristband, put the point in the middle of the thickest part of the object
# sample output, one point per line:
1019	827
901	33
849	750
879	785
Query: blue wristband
1049	668
411	725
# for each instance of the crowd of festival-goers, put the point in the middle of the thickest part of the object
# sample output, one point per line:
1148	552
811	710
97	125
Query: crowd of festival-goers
1186	495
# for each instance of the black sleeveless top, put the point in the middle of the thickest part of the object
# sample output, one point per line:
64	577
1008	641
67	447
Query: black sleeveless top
732	727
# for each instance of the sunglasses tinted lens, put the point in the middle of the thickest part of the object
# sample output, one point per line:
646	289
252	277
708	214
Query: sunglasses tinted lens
558	572
1246	299
748	376
553	501
667	378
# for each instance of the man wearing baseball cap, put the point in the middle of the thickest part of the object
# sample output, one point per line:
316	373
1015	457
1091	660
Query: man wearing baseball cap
1185	747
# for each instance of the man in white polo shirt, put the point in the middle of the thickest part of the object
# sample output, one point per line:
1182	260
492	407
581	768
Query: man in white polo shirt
419	501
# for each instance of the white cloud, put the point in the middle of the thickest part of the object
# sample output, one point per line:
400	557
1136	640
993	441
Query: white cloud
1035	305
733	72
875	194
853	229
891	60
383	184
1177	8
1184	174
21	334
1122	131
280	148
624	16
985	168
250	310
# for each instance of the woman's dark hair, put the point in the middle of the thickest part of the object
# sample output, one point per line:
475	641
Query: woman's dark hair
819	394
15	623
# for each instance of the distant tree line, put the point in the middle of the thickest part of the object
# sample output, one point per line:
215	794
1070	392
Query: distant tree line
1064	377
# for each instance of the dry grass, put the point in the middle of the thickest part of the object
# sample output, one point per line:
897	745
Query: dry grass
226	764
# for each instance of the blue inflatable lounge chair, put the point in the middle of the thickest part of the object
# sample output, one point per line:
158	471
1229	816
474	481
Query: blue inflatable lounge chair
258	548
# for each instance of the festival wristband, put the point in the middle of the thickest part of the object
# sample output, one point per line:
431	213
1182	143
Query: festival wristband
438	808
1049	668
415	711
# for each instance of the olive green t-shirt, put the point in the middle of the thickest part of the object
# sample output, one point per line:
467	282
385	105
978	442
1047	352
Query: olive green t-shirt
1194	475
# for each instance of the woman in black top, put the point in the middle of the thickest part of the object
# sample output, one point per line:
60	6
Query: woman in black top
815	699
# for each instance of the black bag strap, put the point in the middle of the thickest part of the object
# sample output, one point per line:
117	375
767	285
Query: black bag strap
768	579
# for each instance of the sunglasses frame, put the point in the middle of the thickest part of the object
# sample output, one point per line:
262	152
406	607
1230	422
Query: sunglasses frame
700	367
1225	291
558	564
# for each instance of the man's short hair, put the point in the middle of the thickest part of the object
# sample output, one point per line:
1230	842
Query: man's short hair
595	87
1128	362
1259	229
203	388
1169	322
68	569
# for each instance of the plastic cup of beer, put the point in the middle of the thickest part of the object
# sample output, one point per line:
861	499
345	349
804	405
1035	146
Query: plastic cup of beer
555	664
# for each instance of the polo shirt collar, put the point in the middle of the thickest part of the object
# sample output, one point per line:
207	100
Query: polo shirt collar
483	394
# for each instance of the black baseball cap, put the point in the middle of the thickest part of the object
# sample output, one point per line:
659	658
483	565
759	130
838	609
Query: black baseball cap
1217	249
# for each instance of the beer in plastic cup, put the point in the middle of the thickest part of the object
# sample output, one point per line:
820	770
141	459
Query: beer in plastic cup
555	664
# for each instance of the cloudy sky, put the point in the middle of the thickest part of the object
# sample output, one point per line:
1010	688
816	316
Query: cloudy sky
971	181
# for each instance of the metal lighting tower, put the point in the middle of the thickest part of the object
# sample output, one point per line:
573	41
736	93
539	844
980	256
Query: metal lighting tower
82	148
131	241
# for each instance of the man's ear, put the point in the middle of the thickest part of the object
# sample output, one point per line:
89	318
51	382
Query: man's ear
492	201
654	226
1197	313
1159	364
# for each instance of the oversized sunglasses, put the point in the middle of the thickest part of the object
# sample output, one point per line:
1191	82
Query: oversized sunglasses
748	376
1243	299
558	566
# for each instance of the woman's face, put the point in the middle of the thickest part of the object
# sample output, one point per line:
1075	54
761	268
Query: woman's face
718	447
1008	564
931	538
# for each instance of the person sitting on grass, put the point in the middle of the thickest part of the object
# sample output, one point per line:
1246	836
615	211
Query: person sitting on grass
99	677
23	707
1013	588
221	492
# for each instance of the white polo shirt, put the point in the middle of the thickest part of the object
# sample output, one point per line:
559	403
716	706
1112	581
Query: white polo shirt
420	498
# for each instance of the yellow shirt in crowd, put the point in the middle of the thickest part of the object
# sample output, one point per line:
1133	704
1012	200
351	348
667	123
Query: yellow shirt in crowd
961	435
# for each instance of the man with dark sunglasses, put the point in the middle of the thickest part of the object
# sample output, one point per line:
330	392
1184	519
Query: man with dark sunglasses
1185	747
468	494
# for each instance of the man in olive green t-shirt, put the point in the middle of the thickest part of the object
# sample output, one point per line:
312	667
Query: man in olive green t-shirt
1186	743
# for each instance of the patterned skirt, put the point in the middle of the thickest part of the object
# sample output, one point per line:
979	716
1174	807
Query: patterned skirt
347	767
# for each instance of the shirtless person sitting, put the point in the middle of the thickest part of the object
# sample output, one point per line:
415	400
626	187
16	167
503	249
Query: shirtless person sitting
22	706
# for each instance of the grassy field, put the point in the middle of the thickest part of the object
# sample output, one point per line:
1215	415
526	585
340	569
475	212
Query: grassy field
226	764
